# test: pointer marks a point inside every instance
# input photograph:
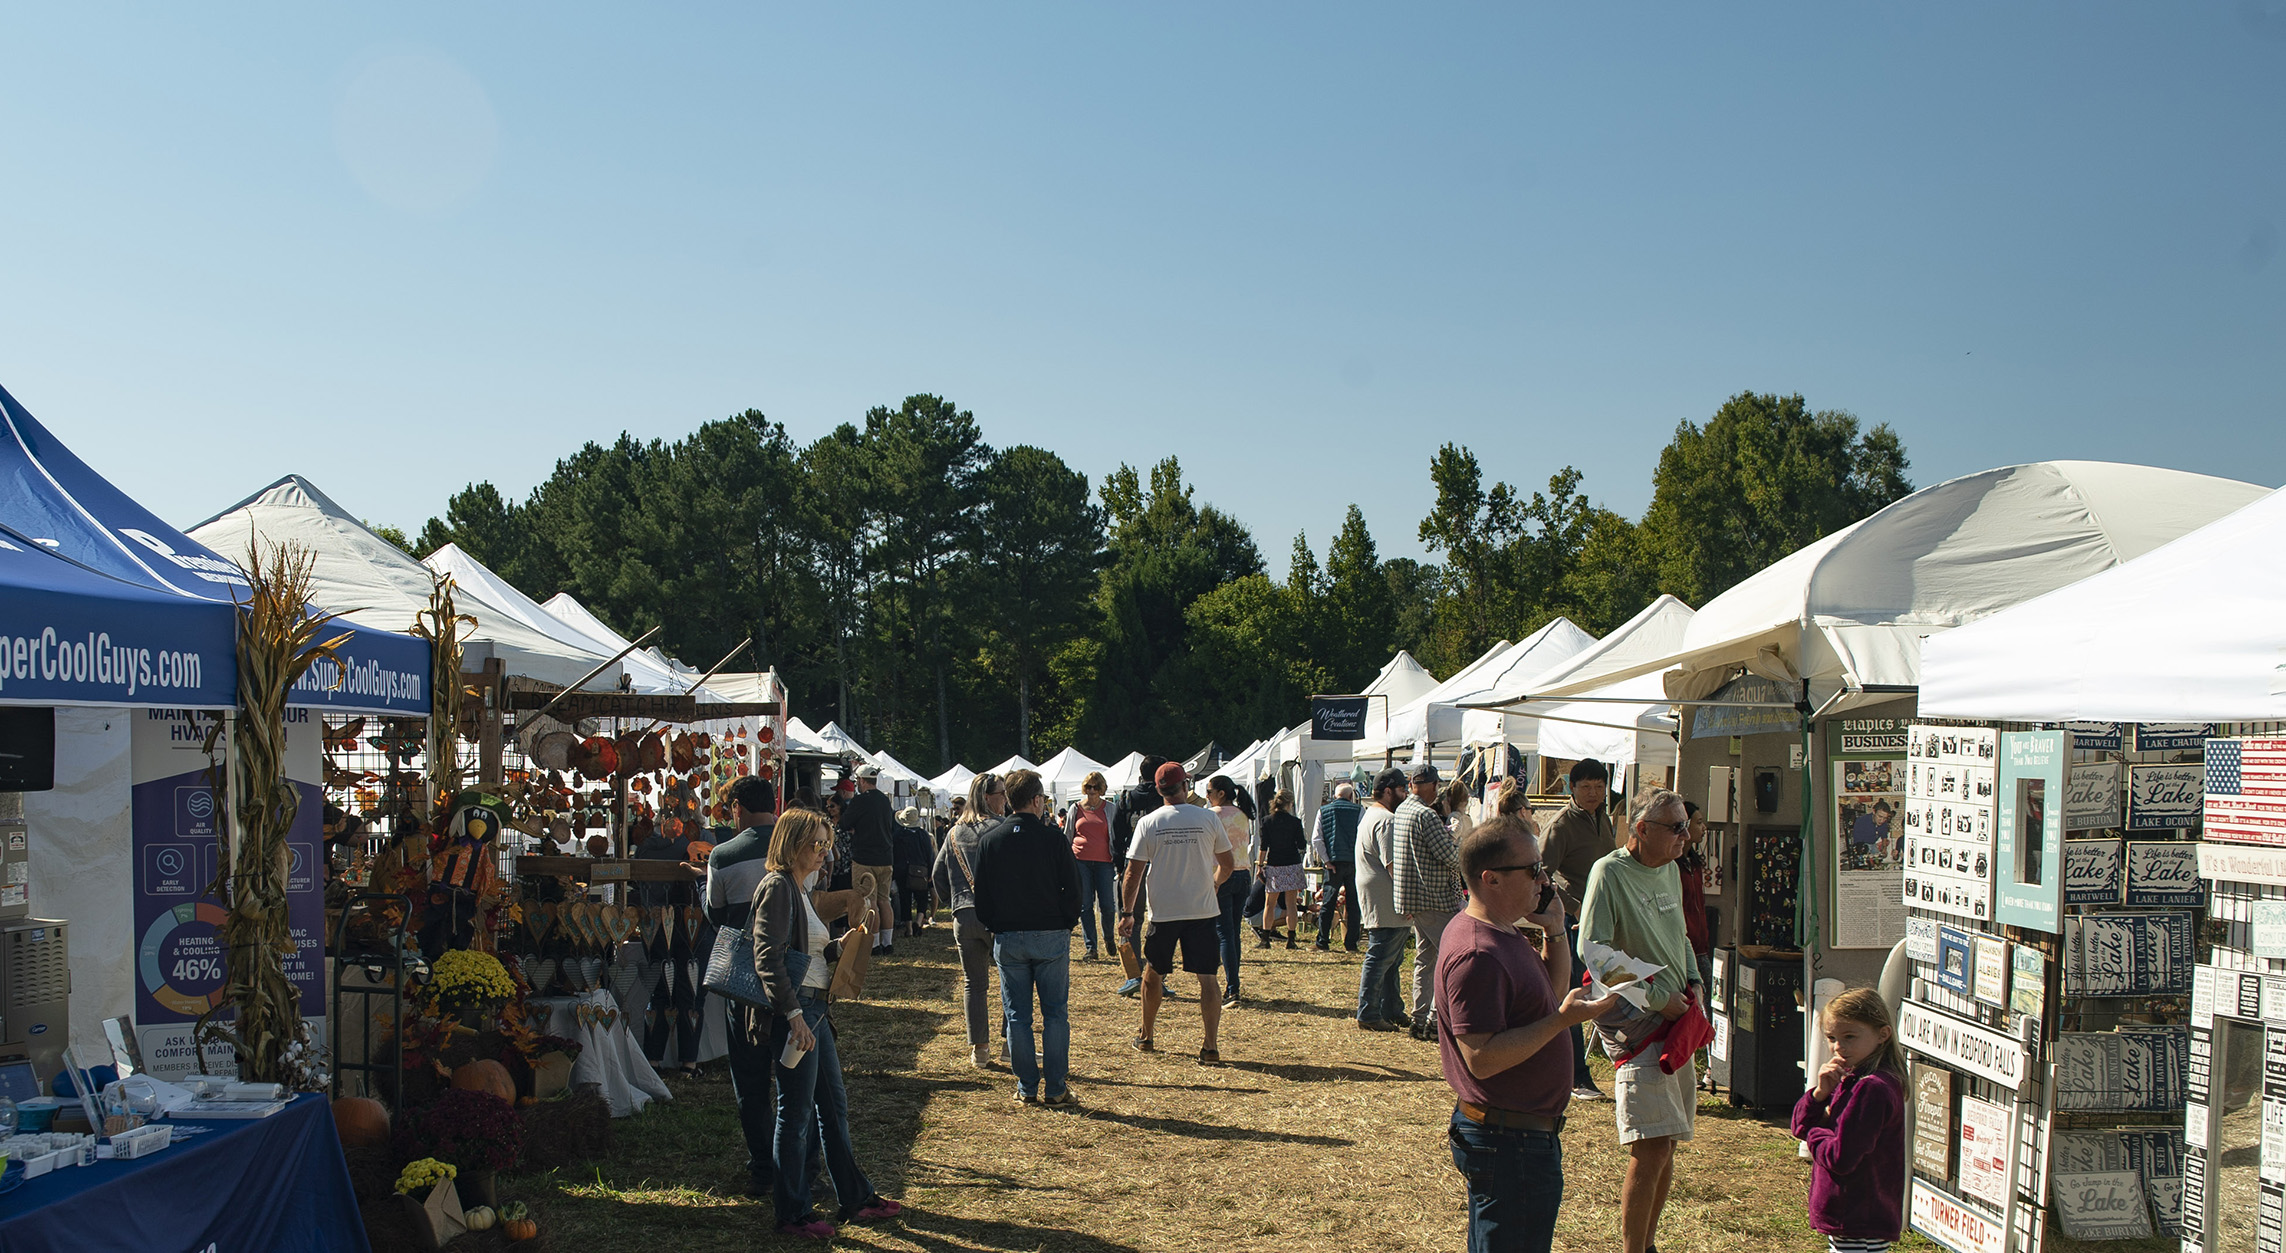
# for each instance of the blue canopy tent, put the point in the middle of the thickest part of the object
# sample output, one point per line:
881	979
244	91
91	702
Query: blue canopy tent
144	584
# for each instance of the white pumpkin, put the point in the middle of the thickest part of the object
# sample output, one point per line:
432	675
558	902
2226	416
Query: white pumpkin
482	1218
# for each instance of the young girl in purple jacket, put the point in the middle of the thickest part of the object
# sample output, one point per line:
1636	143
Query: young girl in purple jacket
1853	1119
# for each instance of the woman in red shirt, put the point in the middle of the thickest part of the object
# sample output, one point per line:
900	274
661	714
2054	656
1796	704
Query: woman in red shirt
1089	826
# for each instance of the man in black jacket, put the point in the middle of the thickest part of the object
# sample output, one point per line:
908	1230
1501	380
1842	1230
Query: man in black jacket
872	826
1027	888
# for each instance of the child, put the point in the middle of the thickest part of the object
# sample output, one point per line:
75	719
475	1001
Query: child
1854	1123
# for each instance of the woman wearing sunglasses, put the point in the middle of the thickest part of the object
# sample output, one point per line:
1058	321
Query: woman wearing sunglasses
789	932
987	804
1088	824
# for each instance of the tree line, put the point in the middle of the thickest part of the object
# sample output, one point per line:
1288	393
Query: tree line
948	600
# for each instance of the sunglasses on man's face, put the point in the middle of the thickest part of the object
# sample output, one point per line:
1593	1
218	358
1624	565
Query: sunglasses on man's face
1679	828
1533	868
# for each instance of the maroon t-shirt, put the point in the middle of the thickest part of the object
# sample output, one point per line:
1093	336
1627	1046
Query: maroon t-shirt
1490	979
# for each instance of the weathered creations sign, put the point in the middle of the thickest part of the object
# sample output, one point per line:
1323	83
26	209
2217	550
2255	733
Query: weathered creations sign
1338	717
1962	1044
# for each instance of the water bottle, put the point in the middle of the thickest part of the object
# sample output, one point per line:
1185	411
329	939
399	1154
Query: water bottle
7	1118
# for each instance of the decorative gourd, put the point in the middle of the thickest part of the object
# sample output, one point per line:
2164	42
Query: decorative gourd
516	1223
486	1075
361	1122
482	1218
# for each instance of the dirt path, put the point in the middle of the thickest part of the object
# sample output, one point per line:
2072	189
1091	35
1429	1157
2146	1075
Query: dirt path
1311	1136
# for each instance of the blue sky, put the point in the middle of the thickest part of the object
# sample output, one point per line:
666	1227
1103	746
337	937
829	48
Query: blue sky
397	248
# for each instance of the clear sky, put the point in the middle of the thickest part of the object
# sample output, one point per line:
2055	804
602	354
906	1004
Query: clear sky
398	247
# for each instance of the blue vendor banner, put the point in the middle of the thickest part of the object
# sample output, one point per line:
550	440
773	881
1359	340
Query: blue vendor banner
70	636
54	504
180	967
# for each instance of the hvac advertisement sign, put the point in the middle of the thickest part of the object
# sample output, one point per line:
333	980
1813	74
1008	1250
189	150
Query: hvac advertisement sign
180	971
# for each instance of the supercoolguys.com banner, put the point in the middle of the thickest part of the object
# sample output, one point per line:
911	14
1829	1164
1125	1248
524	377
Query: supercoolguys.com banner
180	965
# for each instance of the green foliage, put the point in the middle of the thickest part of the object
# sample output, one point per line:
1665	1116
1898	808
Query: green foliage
1763	477
948	601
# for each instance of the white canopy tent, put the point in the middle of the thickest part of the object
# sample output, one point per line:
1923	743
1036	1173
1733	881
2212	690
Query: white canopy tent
891	768
1399	684
372	582
833	741
1848	613
2194	630
1063	772
801	739
645	673
1127	772
1438	717
1653	633
1014	763
1639	728
951	783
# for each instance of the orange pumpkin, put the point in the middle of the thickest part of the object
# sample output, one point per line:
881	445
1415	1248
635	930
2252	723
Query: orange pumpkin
519	1229
486	1075
361	1122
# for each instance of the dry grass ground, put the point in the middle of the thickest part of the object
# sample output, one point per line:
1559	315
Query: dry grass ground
1312	1135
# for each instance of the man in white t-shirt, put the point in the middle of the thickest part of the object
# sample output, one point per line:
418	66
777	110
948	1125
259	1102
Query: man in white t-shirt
1188	854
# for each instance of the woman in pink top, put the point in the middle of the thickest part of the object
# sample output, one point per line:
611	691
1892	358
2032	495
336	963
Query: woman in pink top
1089	825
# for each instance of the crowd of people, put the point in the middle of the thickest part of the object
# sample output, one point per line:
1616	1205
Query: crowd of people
1497	917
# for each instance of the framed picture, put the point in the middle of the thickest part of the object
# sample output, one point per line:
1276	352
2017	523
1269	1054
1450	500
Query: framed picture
2028	852
1953	960
2027	981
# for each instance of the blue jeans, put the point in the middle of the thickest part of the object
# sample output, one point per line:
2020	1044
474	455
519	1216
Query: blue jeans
1099	886
812	1102
1515	1184
1232	924
1378	996
1037	960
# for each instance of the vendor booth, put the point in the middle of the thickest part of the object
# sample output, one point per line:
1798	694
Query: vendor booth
2151	1083
1795	694
1441	716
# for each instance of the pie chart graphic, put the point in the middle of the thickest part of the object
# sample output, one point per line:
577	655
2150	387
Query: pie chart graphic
180	958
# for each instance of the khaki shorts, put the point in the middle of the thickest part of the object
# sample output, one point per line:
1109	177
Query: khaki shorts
1651	1104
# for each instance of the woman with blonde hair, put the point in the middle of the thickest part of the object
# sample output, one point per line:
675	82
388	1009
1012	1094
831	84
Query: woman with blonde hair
1088	825
789	932
987	802
1511	800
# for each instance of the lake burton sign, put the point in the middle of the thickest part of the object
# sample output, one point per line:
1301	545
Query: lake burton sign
2091	797
1958	1042
1338	717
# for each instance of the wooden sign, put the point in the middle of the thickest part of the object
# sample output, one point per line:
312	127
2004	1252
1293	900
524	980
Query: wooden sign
1989	975
2241	863
2169	796
1953	960
2107	1205
1921	939
2164	872
1988	1142
1962	1044
1932	1119
2028	981
2092	796
1951	1222
2270	929
2245	790
2096	736
2095	872
2171	737
2128	954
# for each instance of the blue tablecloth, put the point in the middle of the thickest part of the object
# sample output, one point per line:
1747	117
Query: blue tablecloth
276	1183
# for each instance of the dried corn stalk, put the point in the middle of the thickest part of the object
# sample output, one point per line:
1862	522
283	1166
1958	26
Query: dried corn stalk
277	644
440	625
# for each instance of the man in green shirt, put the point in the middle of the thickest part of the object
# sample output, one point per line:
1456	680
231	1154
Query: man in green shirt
1634	903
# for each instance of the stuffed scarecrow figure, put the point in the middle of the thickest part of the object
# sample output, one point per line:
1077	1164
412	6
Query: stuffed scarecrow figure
464	874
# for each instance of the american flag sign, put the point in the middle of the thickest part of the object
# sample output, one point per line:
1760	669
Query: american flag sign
2246	790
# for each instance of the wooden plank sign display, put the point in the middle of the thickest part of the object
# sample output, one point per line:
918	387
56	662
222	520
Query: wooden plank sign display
2167	796
1962	1044
1932	1119
2164	872
2092	796
2095	872
2245	790
2128	954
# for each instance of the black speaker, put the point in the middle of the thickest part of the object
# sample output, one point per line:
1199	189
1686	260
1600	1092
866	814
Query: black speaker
1765	1034
27	749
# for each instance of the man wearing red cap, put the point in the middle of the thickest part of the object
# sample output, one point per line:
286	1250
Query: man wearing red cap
1188	856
